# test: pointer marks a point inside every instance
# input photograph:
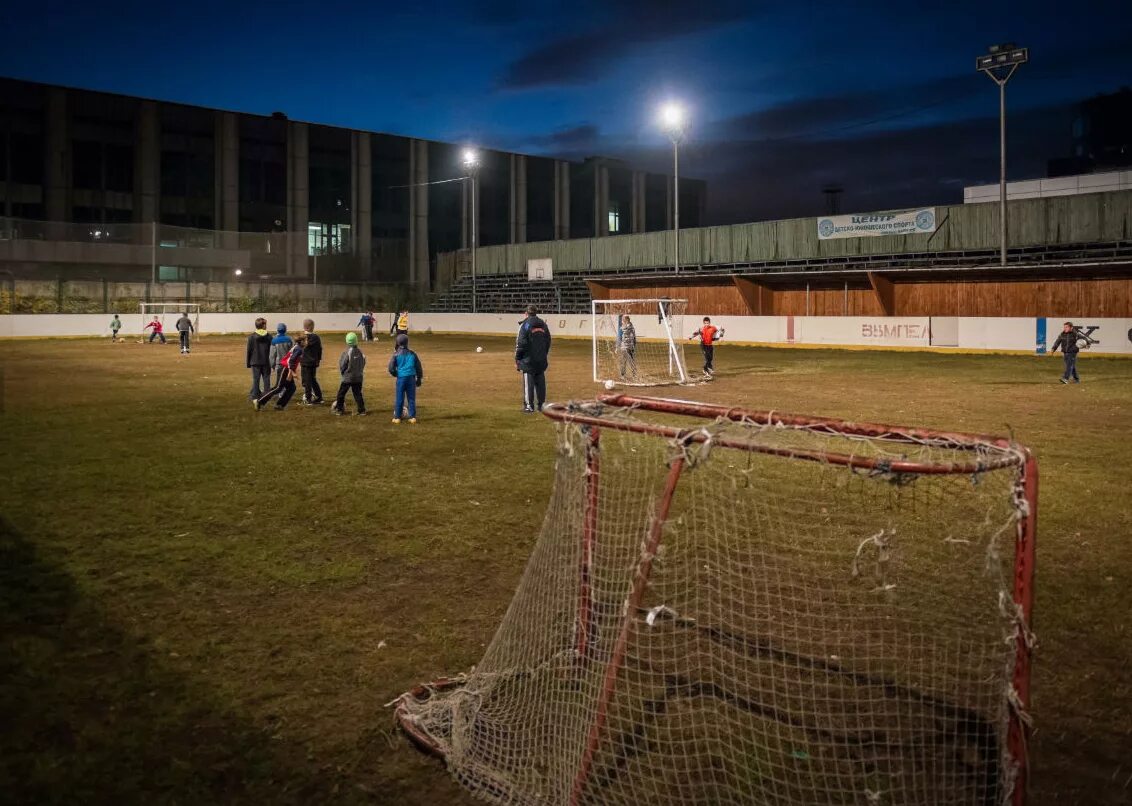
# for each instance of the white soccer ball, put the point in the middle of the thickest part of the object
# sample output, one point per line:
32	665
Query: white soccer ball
479	349
610	384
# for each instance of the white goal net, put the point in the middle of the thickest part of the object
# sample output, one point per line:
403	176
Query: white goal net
168	313
728	606
640	342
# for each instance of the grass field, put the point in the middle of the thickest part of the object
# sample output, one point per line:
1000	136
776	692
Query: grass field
199	603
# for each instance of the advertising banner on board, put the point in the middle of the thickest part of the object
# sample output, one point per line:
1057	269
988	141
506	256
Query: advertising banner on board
865	225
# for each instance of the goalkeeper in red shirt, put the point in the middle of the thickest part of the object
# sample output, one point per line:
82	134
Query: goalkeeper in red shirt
158	330
708	334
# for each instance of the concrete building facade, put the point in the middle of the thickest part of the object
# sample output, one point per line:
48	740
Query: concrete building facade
374	206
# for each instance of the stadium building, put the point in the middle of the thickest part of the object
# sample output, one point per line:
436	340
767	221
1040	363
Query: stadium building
193	193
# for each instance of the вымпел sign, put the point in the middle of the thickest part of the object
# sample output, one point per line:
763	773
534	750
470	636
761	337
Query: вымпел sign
901	222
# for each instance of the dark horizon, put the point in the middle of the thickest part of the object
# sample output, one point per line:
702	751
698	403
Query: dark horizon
784	100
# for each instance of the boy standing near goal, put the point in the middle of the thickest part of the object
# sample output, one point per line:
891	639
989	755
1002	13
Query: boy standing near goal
709	334
1067	341
286	385
352	365
626	347
115	326
532	350
158	330
406	368
366	324
312	357
184	329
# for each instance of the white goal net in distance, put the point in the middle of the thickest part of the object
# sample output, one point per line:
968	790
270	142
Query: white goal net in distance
168	313
747	607
640	342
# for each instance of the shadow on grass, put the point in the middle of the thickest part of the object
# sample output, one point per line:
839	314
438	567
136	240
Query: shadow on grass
90	717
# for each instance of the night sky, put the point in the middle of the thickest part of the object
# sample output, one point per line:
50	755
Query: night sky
882	98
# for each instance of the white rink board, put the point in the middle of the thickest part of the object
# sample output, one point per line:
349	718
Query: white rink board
1004	334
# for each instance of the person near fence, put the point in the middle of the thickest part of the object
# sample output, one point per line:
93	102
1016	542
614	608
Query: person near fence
286	386
259	359
400	325
312	357
185	330
115	326
351	364
405	366
158	330
532	351
708	334
366	324
1067	341
280	346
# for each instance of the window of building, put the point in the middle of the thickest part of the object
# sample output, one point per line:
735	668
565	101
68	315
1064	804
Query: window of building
328	239
25	154
86	165
614	218
119	162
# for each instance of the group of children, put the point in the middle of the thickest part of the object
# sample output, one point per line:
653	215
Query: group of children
302	356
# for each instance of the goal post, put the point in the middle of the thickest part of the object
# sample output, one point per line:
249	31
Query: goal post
639	342
168	313
736	606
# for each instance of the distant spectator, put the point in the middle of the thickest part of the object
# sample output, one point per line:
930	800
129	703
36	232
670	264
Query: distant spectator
286	386
158	330
185	329
406	367
259	359
366	324
352	365
115	326
280	346
532	351
312	357
1067	341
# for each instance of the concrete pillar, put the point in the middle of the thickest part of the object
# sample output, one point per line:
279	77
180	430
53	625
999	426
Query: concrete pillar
362	208
518	198
418	215
147	163
298	197
601	200
58	185
226	158
561	200
638	203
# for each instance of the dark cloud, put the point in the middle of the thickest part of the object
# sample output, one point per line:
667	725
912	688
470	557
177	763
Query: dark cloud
617	28
570	140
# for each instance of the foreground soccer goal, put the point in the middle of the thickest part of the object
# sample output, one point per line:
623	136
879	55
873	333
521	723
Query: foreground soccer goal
169	312
731	606
651	352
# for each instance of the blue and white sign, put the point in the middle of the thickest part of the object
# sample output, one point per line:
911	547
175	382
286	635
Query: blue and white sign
865	225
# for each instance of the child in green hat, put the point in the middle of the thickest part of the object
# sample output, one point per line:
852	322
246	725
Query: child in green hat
351	364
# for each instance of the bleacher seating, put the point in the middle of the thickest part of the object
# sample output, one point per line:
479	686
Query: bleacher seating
511	293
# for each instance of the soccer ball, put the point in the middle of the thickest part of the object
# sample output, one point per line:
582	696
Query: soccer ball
609	384
479	349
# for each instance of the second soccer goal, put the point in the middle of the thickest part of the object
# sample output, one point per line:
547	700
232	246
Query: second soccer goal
640	342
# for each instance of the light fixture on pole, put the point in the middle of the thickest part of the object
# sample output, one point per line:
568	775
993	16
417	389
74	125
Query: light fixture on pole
999	64
472	166
673	120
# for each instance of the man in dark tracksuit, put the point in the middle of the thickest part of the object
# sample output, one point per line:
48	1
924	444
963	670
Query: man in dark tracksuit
531	350
312	357
1067	341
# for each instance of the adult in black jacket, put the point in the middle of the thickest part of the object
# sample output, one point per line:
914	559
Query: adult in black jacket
259	359
532	347
312	357
1067	341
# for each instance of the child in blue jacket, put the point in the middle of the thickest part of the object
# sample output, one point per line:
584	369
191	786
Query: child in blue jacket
406	367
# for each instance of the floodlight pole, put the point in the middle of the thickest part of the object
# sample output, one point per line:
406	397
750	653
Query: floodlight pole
999	65
471	165
676	199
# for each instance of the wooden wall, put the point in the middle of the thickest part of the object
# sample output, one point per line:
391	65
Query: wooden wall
1111	297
